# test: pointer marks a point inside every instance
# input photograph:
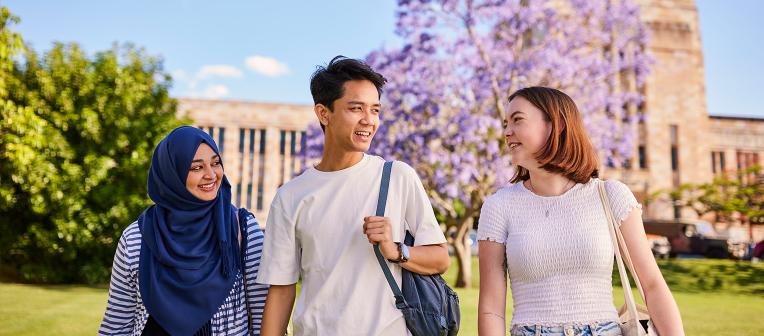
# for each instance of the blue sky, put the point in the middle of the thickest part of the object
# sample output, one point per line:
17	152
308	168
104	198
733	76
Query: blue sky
266	50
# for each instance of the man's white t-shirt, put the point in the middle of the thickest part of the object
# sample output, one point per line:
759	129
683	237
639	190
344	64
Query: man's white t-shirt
315	230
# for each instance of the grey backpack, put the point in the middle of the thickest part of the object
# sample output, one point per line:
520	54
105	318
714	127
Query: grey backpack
429	306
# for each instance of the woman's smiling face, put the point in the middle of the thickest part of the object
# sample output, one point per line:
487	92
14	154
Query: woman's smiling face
205	174
526	129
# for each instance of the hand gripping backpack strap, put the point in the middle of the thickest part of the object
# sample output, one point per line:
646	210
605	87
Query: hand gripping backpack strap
400	303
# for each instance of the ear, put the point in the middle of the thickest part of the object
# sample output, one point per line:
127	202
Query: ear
322	113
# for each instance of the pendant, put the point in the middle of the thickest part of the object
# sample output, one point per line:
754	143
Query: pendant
547	213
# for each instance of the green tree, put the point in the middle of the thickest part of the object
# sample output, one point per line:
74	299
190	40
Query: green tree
76	139
10	44
740	192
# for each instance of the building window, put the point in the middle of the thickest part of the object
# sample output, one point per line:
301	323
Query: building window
262	141
220	135
221	139
282	151
293	151
289	148
746	160
642	157
242	133
718	165
626	164
674	133
261	174
251	167
303	144
293	142
238	194
249	193
260	196
282	143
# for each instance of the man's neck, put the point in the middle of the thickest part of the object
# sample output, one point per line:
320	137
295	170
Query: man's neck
333	160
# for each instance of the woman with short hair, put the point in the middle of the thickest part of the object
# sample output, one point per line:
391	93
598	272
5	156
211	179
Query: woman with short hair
548	229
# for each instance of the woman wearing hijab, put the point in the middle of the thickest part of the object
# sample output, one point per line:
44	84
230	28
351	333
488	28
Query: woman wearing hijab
188	265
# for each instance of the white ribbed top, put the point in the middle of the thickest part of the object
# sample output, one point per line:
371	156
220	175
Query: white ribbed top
559	253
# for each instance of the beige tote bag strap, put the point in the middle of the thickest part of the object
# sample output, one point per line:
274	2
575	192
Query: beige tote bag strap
627	293
629	264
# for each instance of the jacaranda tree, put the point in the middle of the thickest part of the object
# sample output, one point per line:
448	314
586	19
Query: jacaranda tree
460	60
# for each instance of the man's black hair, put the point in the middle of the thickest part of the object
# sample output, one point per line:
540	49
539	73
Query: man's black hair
326	84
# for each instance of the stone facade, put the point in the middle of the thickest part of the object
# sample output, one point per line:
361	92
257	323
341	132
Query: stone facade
679	142
674	133
736	143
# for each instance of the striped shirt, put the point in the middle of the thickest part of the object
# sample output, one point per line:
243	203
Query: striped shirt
126	315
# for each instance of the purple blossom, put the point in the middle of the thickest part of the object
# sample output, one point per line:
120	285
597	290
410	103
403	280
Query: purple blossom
442	113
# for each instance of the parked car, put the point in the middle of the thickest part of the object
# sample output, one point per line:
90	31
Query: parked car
758	252
659	245
689	236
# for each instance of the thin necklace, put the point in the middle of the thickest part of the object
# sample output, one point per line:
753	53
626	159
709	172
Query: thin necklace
533	190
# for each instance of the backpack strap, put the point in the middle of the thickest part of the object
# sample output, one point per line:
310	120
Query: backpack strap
400	303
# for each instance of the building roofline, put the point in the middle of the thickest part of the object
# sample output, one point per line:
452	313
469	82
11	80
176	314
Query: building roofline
241	101
743	118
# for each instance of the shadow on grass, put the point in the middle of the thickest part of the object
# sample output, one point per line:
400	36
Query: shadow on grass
710	275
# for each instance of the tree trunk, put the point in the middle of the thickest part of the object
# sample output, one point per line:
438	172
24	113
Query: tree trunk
463	254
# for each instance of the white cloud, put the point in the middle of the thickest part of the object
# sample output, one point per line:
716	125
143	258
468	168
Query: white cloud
220	70
268	66
215	91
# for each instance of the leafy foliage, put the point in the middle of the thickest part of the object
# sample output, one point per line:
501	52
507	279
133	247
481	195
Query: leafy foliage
76	137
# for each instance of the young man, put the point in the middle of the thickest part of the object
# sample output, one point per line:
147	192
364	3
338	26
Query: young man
322	227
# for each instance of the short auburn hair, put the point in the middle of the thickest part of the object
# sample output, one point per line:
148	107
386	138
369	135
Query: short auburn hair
568	150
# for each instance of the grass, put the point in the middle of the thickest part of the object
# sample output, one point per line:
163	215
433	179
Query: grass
50	310
715	297
713	275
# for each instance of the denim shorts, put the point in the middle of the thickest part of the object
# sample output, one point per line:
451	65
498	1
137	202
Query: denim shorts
595	329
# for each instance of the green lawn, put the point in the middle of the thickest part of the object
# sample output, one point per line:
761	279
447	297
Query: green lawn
715	298
50	310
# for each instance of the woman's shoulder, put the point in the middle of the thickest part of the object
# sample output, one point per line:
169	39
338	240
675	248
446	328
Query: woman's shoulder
129	247
251	224
505	195
508	191
131	232
617	188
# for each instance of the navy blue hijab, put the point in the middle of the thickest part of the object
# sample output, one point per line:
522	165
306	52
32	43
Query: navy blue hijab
188	254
